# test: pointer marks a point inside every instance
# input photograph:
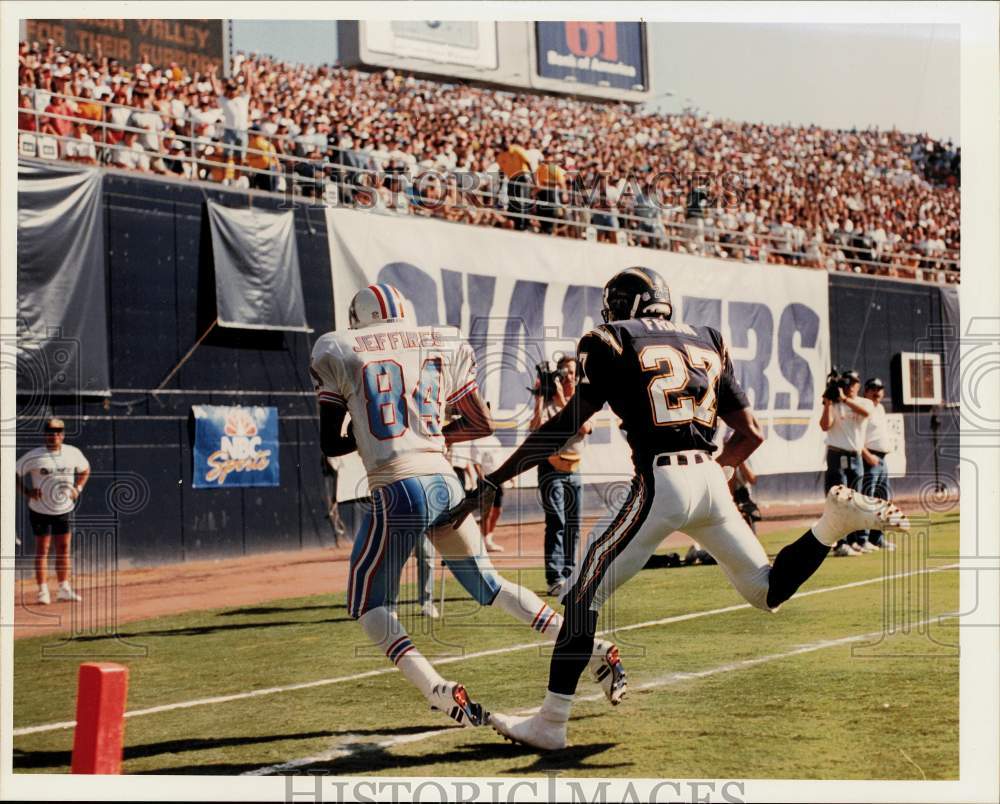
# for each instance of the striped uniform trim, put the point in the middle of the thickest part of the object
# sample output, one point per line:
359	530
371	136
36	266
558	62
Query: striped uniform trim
464	391
383	540
380	298
609	337
614	539
331	398
354	582
389	300
398	649
543	619
395	300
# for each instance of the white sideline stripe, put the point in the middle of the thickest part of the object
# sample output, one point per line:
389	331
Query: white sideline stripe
662	681
238	696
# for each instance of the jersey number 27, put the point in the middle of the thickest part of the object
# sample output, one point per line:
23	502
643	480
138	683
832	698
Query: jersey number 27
670	403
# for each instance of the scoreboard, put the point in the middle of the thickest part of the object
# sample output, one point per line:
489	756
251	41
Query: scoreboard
592	58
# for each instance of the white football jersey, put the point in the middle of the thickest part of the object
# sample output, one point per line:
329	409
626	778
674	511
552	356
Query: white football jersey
54	472
396	381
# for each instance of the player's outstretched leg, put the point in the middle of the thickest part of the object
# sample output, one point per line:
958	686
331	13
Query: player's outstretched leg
546	730
385	631
466	557
845	511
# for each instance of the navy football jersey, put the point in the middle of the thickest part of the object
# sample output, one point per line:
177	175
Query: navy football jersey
667	382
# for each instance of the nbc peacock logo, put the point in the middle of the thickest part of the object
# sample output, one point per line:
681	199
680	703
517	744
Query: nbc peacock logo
239	449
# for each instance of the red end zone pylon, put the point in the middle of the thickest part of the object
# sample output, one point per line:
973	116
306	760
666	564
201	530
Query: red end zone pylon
100	718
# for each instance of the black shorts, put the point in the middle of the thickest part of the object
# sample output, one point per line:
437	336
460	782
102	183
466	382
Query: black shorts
50	524
498	498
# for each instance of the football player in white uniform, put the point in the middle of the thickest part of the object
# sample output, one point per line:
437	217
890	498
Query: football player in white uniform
399	382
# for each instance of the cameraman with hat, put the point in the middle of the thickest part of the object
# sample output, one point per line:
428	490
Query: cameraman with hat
877	446
844	419
559	481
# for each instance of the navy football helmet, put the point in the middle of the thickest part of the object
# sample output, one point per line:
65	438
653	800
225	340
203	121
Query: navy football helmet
636	292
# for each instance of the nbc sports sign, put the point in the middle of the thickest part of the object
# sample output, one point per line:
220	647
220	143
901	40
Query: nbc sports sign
235	447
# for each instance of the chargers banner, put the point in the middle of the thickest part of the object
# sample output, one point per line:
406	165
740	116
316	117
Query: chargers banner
235	447
522	298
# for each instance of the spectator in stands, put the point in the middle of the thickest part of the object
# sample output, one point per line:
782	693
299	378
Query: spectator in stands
799	180
88	108
261	157
26	119
515	162
57	120
81	147
550	179
130	154
118	115
145	117
174	160
234	99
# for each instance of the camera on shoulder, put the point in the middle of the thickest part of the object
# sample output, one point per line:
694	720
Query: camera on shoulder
838	380
549	374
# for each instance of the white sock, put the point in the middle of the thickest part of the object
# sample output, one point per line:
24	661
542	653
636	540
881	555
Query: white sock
556	707
524	605
384	630
825	533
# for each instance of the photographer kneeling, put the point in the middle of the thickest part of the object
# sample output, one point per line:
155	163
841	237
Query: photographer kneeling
844	418
559	480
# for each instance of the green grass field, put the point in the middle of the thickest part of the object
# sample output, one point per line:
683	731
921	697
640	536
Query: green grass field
727	694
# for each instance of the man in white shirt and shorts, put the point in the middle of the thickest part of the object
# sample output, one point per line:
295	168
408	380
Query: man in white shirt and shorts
52	478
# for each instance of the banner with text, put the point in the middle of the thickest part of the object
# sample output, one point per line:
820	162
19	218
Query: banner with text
196	45
235	447
522	298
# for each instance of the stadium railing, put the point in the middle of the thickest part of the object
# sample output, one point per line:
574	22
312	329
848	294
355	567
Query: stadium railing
356	179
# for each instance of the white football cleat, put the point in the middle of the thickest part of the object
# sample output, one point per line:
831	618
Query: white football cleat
43	595
535	731
66	593
454	701
606	669
848	510
430	610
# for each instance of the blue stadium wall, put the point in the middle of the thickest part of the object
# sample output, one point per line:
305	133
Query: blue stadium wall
161	299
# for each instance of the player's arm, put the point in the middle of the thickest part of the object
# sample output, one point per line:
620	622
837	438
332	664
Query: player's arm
327	375
546	440
734	409
475	420
747	436
332	439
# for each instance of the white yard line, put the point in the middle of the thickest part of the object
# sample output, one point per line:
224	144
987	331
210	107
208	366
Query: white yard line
238	696
657	683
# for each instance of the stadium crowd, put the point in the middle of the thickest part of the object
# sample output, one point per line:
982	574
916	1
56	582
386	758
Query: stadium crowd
869	200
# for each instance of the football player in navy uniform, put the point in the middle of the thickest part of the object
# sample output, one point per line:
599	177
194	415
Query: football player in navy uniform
669	383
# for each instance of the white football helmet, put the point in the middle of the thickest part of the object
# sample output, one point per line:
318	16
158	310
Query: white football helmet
376	304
